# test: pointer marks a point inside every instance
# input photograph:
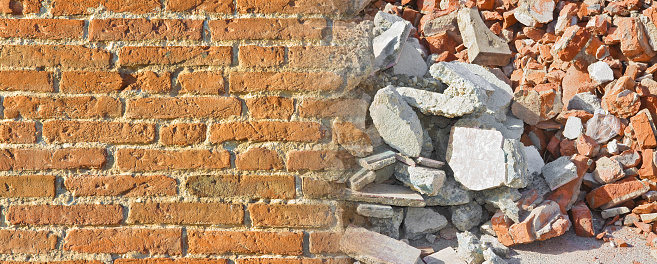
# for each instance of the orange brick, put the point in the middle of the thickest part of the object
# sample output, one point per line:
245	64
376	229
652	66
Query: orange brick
293	7
245	242
266	131
65	107
82	214
144	29
16	132
319	189
345	108
291	215
322	260
155	159
180	56
171	261
258	159
267	28
33	81
183	107
183	134
120	185
140	240
211	6
41	28
242	186
63	56
256	56
80	7
148	81
186	213
27	241
202	83
284	81
55	262
76	82
104	132
27	186
317	160
20	7
43	159
325	242
270	107
322	57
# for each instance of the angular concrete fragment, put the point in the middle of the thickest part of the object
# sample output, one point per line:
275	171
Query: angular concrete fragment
436	103
490	242
383	21
421	221
388	46
411	62
375	210
585	101
465	217
476	157
444	256
452	193
517	173
378	161
484	47
611	212
371	247
573	128
396	121
600	72
424	180
608	170
534	160
533	12
361	178
388	226
492	258
538	104
559	172
470	248
505	199
436	164
386	194
463	83
500	99
649	218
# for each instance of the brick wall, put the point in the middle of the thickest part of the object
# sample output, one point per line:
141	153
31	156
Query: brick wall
175	131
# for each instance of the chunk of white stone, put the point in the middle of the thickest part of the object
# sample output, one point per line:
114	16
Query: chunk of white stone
477	158
388	46
375	210
411	62
600	72
611	212
397	123
559	172
573	128
534	160
436	103
422	221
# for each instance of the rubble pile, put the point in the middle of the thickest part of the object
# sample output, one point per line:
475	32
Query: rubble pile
498	123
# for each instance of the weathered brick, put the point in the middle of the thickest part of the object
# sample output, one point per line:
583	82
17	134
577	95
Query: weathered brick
148	81
180	56
323	260
258	159
65	107
61	131
266	131
27	186
182	134
27	241
211	6
64	56
81	7
319	189
171	261
612	194
267	28
126	185
284	81
33	81
186	213
41	28
270	107
317	160
17	132
20	7
76	82
82	214
335	57
54	262
154	159
293	7
145	29
242	186
257	56
183	107
324	242
43	159
345	108
291	215
124	240
245	242
202	83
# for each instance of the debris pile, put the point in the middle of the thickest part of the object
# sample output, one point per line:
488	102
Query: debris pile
498	123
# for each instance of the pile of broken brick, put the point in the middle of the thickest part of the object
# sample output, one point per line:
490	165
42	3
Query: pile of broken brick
538	112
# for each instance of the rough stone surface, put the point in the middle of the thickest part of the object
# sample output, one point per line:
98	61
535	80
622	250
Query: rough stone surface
388	46
470	248
538	104
371	247
444	256
375	210
361	178
584	101
452	193
611	212
534	160
603	126
421	221
388	226
474	153
396	122
532	12
386	194
608	170
517	173
484	47
573	128
411	62
436	103
465	217
424	180
559	172
600	72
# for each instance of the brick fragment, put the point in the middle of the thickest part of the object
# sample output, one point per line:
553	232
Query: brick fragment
183	107
318	189
77	82
103	132
65	107
180	56
245	242
242	186
123	240
324	242
612	194
20	7
183	134
171	261
284	81
145	29
266	131
291	215
293	7
186	213
64	56
318	160
202	83
27	241
120	185
326	57
210	6
81	214
267	28
32	81
148	81
344	108
322	260
582	220
644	129
270	107
27	186
256	56
155	160
81	7
571	43
41	28
648	169
17	132
43	159
258	159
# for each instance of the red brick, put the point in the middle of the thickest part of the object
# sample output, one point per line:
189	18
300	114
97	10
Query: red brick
104	132
182	134
211	6
242	186
180	56
43	159
41	28
33	81
245	242
325	242
27	241
20	7
256	56
64	107
270	107
186	213
120	185
155	159
643	127
322	260
124	240
648	169
258	159
148	81
616	193
55	262
327	57
77	82
284	81
80	7
345	108
183	107
291	215
582	221
63	56
571	43
266	131
171	261
293	7
267	28
82	214
27	186
317	160
145	29
202	83
574	82
319	189
16	132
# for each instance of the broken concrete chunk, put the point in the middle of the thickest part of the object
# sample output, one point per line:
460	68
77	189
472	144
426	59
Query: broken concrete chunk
600	72
436	103
444	256
505	199
427	148
477	158
421	221
470	248
484	47
492	258
559	172
500	99
378	161
534	160
410	62
386	194
452	193
533	12
608	170
490	242
465	217
361	178
375	210
388	226
584	101
538	104
424	180
573	128
611	212
383	21
649	218
517	173
430	163
384	173
388	46
396	121
371	247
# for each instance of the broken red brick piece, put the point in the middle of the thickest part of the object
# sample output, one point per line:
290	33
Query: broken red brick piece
582	220
644	129
612	194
